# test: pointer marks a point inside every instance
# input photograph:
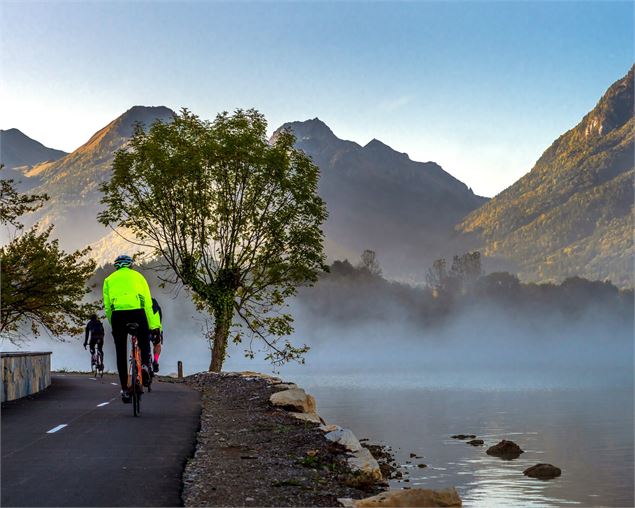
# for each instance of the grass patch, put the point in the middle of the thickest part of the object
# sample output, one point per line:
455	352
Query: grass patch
287	483
360	480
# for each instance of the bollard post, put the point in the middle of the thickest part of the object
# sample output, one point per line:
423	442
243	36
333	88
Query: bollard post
180	369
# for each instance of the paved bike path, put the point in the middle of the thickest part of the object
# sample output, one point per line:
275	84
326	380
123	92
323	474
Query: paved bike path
103	456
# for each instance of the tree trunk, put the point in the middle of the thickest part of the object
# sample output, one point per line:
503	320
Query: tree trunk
222	323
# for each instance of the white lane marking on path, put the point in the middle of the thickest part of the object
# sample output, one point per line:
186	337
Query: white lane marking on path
103	404
55	429
49	432
93	378
114	384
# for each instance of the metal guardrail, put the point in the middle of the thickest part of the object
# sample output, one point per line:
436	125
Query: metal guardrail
24	373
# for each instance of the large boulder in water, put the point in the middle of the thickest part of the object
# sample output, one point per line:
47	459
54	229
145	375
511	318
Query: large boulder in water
412	497
295	399
543	471
507	450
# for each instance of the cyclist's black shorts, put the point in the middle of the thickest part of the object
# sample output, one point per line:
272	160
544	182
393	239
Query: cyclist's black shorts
99	341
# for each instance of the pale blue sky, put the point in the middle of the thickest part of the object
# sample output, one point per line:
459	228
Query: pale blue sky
480	87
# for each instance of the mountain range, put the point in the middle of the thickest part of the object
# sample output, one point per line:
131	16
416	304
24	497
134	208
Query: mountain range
570	215
19	153
72	181
377	197
380	199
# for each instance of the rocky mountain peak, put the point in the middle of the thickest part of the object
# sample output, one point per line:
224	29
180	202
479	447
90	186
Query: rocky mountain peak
377	147
117	132
140	113
145	115
309	129
613	110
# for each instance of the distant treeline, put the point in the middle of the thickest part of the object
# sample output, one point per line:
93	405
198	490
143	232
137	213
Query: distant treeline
359	292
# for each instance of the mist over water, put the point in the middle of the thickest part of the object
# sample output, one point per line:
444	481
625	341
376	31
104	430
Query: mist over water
559	385
482	347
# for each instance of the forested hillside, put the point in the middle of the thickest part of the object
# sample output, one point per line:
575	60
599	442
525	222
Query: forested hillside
572	214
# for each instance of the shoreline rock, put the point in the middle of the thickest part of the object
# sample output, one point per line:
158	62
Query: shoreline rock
295	400
543	471
506	450
463	436
414	497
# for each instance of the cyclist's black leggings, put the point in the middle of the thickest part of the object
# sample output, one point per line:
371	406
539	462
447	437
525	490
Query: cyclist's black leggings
96	341
119	320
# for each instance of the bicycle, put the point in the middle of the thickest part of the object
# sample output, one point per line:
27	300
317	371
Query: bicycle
134	374
97	363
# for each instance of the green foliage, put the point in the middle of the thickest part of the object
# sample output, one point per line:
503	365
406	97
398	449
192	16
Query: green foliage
236	219
40	284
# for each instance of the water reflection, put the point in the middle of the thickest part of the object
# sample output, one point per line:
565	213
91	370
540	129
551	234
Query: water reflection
588	433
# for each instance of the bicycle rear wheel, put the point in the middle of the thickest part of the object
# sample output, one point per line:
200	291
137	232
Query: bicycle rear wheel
136	398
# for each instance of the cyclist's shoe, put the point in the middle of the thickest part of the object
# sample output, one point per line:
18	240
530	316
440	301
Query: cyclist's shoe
145	375
125	397
155	366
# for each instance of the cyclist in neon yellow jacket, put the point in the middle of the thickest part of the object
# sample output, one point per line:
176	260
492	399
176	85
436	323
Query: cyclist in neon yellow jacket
127	299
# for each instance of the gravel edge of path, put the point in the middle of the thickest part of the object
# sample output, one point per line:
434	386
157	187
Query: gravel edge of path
249	453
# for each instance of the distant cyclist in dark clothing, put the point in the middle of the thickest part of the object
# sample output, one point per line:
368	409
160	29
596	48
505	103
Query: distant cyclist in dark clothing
95	329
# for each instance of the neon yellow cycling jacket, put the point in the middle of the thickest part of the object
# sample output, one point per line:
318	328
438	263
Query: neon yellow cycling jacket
127	289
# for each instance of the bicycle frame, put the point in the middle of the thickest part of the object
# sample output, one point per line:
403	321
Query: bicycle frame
97	362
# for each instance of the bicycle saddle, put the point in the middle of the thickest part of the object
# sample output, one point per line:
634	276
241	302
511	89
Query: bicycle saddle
132	327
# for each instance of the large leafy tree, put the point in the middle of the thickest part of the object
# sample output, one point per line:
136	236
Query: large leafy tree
40	284
237	220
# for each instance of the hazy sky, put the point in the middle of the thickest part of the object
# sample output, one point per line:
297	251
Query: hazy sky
482	88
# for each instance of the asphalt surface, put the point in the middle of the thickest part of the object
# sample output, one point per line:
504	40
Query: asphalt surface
103	456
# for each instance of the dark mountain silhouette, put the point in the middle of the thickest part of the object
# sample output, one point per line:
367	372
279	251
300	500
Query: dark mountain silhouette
73	181
17	150
380	199
572	214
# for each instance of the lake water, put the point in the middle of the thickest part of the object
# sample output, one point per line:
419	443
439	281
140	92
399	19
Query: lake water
587	432
572	407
